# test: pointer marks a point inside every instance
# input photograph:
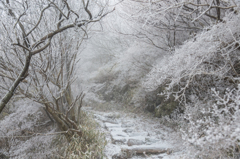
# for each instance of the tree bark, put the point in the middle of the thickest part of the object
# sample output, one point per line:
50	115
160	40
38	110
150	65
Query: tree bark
21	77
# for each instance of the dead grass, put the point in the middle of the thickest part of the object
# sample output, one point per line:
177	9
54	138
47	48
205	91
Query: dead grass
92	143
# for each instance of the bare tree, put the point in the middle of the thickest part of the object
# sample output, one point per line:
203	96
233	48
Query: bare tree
166	24
38	49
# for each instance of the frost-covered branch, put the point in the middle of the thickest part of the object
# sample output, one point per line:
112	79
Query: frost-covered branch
39	39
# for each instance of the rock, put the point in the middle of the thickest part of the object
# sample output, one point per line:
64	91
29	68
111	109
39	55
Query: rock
118	133
128	130
119	156
105	119
118	139
110	125
127	125
110	121
138	134
142	149
132	142
118	129
151	140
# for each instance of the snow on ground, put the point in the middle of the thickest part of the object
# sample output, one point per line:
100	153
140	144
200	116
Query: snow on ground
128	133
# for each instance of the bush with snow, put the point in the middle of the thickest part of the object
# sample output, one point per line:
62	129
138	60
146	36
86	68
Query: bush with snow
204	61
203	75
213	129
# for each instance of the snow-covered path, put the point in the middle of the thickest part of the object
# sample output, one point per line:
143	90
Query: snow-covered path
135	136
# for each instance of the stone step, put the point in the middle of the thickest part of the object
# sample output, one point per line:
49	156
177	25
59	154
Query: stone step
132	134
132	142
110	125
104	119
118	139
144	149
117	129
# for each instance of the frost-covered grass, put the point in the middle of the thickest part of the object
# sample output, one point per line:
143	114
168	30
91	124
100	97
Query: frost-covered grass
23	133
92	143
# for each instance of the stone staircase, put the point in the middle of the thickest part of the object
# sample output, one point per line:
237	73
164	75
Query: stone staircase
131	138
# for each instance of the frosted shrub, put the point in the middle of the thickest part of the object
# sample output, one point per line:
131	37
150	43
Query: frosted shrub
203	75
203	62
213	130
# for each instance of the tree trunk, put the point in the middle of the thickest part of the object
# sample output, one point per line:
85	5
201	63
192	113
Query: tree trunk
21	77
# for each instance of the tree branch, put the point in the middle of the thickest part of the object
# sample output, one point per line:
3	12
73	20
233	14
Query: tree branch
85	6
21	77
41	49
39	20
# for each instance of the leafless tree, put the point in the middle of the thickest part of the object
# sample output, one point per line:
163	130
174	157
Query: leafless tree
39	44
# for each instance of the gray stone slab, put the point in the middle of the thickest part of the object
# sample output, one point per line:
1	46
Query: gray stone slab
110	125
132	142
118	139
132	134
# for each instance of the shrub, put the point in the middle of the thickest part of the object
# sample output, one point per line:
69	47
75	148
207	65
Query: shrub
213	129
203	76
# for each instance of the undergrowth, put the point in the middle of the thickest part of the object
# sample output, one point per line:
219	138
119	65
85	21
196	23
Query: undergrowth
92	143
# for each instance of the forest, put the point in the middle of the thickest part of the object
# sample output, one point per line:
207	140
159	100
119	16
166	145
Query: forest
72	71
